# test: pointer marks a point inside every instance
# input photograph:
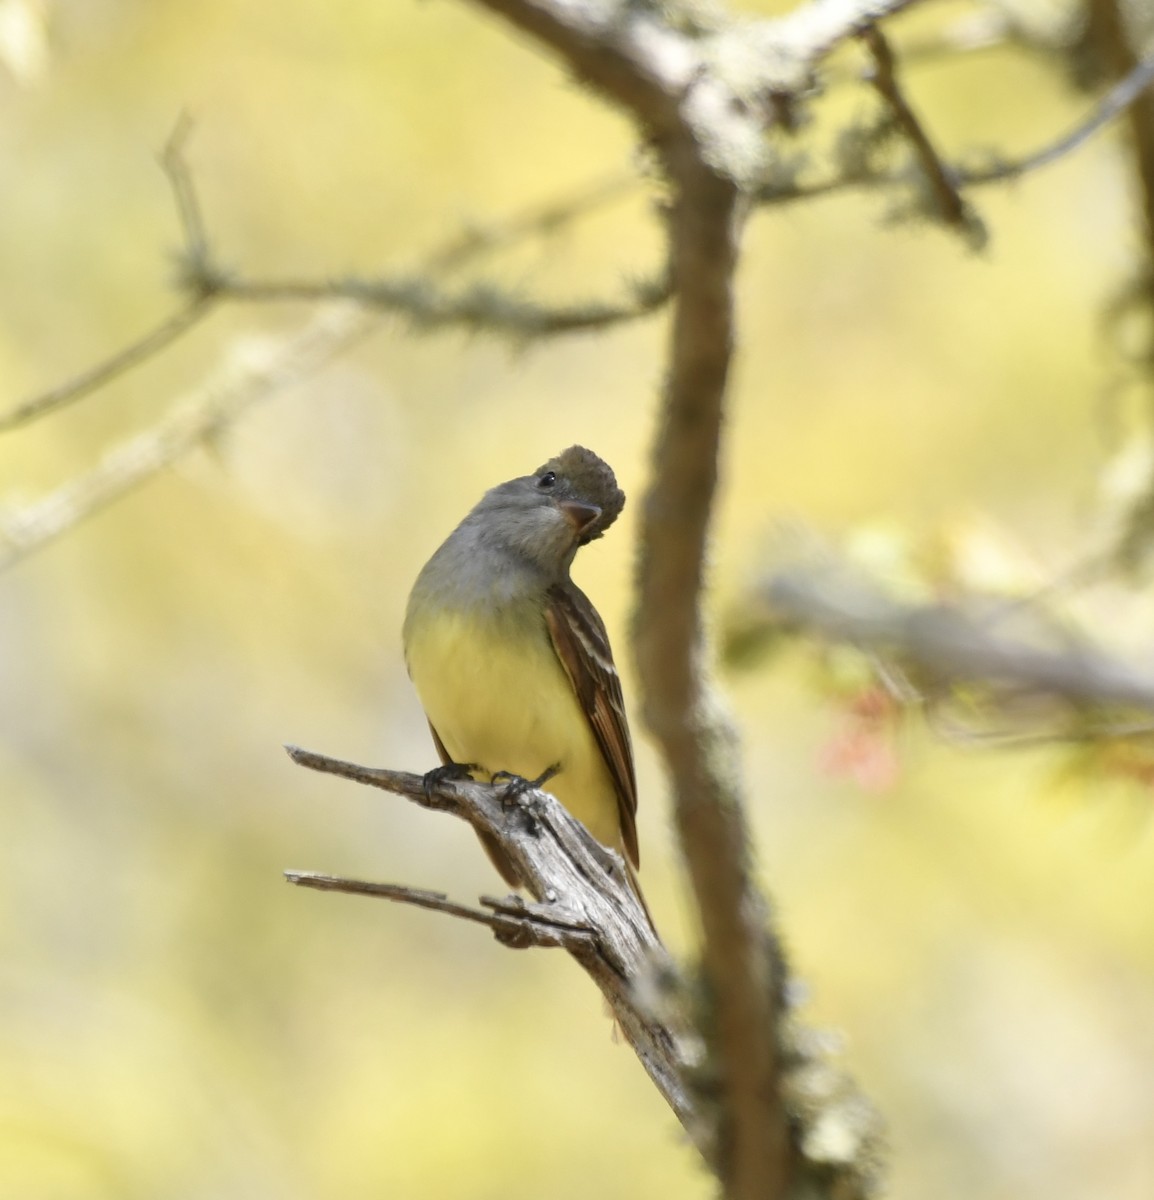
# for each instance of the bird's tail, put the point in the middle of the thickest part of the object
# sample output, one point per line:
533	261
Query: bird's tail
635	885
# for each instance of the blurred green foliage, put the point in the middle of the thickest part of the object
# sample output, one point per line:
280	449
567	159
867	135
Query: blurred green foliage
174	1020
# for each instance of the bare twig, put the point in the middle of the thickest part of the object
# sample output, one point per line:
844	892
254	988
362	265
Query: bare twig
175	165
123	361
213	406
1116	101
417	897
1121	97
514	922
199	277
951	207
585	905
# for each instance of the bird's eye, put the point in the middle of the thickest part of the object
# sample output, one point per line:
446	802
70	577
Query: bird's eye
547	480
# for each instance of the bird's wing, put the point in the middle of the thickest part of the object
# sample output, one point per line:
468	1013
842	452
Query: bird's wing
445	757
582	645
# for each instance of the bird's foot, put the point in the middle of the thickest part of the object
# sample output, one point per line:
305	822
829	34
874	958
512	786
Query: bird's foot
518	785
449	773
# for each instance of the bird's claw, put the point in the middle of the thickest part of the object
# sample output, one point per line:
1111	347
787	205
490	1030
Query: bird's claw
448	773
518	785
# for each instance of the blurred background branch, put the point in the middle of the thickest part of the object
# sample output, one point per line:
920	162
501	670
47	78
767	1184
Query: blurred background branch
215	405
480	308
940	647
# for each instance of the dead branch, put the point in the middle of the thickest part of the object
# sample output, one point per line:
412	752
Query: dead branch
585	905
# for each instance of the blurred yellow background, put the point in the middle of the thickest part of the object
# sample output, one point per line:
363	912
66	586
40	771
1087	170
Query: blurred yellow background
175	1021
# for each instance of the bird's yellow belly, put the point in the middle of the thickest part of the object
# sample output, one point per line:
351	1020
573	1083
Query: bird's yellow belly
505	703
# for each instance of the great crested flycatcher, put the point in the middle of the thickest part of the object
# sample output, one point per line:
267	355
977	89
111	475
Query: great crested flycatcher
510	659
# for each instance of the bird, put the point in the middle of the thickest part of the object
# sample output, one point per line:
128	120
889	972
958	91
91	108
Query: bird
511	661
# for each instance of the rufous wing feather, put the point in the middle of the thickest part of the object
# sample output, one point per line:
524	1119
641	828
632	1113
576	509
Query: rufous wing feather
582	645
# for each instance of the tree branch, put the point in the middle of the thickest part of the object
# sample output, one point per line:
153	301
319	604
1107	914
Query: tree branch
234	388
152	343
706	99
1116	101
781	54
481	308
946	645
1107	32
627	52
211	408
1120	98
420	898
585	905
711	139
952	209
743	967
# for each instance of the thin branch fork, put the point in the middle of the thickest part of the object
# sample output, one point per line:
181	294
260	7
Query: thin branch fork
417	297
583	904
1122	97
951	207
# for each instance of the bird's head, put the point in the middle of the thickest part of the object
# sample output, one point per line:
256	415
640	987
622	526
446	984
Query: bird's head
547	516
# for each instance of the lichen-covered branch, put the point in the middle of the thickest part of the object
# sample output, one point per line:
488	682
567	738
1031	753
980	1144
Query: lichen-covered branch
479	308
236	386
427	305
742	963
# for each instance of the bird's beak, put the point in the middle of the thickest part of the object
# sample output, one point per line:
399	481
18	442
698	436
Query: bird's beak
579	515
